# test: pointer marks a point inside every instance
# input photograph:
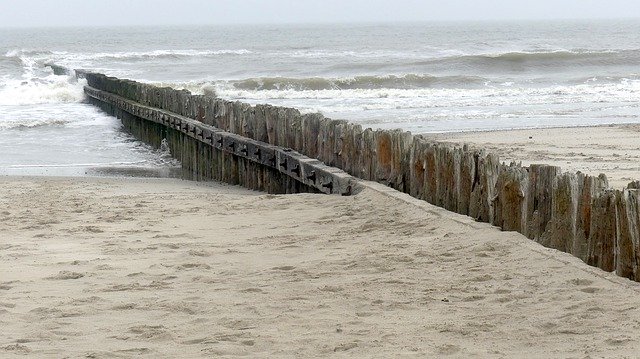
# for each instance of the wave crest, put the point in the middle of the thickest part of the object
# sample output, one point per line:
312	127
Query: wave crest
36	90
31	123
410	81
541	58
148	55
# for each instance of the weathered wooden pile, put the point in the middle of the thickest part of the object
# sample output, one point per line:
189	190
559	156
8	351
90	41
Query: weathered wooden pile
207	152
571	212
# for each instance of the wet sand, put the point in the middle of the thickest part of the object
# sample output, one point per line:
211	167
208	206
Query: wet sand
111	268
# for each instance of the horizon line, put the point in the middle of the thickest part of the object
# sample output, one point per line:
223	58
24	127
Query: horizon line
316	23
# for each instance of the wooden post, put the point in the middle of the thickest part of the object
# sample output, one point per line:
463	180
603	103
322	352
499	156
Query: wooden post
467	178
627	233
561	229
602	232
510	204
484	188
541	183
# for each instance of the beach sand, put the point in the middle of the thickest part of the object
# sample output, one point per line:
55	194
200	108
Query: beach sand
613	150
111	268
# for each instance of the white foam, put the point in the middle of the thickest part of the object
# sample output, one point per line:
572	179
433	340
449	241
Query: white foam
38	85
39	90
500	105
490	95
92	164
31	123
69	57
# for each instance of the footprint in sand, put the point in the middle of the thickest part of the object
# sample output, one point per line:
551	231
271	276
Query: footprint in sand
126	306
44	312
199	253
187	266
590	290
284	268
104	267
17	348
331	289
482	278
152	332
136	286
448	349
580	281
7	305
6	285
251	290
65	275
91	229
345	346
617	341
135	351
586	283
473	298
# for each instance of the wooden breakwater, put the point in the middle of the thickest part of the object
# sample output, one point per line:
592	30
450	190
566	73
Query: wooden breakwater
206	152
571	212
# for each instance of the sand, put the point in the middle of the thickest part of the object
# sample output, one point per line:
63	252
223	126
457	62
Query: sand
111	268
613	150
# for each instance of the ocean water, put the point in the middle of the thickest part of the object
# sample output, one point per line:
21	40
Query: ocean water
437	77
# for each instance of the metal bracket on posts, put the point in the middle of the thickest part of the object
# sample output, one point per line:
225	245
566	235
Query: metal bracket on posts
328	185
296	170
312	176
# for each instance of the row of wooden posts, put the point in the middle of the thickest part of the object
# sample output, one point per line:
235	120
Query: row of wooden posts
571	212
208	153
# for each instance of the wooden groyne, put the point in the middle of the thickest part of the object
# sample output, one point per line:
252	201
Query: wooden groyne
206	152
571	212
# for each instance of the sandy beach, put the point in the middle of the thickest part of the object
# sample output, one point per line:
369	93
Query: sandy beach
105	252
613	150
113	268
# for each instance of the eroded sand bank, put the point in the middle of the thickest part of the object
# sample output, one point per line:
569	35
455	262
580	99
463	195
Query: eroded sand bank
108	268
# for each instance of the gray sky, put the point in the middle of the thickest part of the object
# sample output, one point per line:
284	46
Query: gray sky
172	12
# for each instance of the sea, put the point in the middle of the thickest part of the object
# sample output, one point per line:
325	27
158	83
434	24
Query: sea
420	77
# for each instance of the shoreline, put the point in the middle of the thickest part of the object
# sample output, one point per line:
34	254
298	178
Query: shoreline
610	149
88	171
635	124
165	267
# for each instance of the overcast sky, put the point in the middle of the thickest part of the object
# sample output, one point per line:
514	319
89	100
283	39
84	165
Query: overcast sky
176	12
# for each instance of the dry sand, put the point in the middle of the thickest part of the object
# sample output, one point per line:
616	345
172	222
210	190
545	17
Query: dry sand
109	268
612	150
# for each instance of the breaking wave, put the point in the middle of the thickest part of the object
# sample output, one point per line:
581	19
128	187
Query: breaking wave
26	81
410	81
31	123
123	55
41	89
539	58
156	54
